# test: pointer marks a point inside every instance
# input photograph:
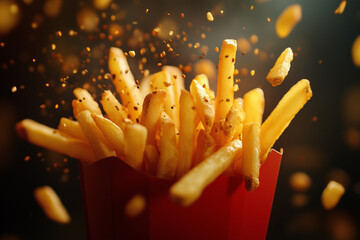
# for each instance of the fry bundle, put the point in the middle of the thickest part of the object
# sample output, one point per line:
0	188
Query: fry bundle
161	129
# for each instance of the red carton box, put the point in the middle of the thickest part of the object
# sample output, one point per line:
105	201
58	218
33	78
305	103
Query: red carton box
225	210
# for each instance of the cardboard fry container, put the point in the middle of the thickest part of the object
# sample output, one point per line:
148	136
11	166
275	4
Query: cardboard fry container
225	210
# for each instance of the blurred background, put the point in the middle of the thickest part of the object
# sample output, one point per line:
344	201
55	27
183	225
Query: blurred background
49	47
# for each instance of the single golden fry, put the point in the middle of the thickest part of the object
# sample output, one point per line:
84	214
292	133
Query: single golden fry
46	137
169	152
204	106
191	185
251	160
111	132
282	115
135	142
125	84
331	195
355	51
341	8
84	102
186	133
71	128
225	87
101	146
163	81
51	204
152	108
205	146
288	20
281	68
254	104
114	110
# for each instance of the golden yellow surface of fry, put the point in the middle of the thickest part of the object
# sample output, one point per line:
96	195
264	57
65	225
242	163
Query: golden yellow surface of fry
341	8
124	82
355	51
225	83
177	79
163	81
282	115
168	149
144	86
331	195
86	101
191	185
46	137
114	110
288	20
71	128
152	108
135	206
204	82
101	146
281	68
251	155
51	204
203	104
205	146
111	132
186	132
234	121
135	142
152	157
254	104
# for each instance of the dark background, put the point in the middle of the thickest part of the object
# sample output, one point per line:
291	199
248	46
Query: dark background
322	148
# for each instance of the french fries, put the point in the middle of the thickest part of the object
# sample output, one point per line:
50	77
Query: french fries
282	115
332	194
341	8
135	142
152	108
254	104
111	132
203	104
168	149
71	128
281	68
84	102
101	146
251	159
206	146
51	204
225	88
163	81
166	131
114	110
43	136
186	133
125	83
288	19
190	186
